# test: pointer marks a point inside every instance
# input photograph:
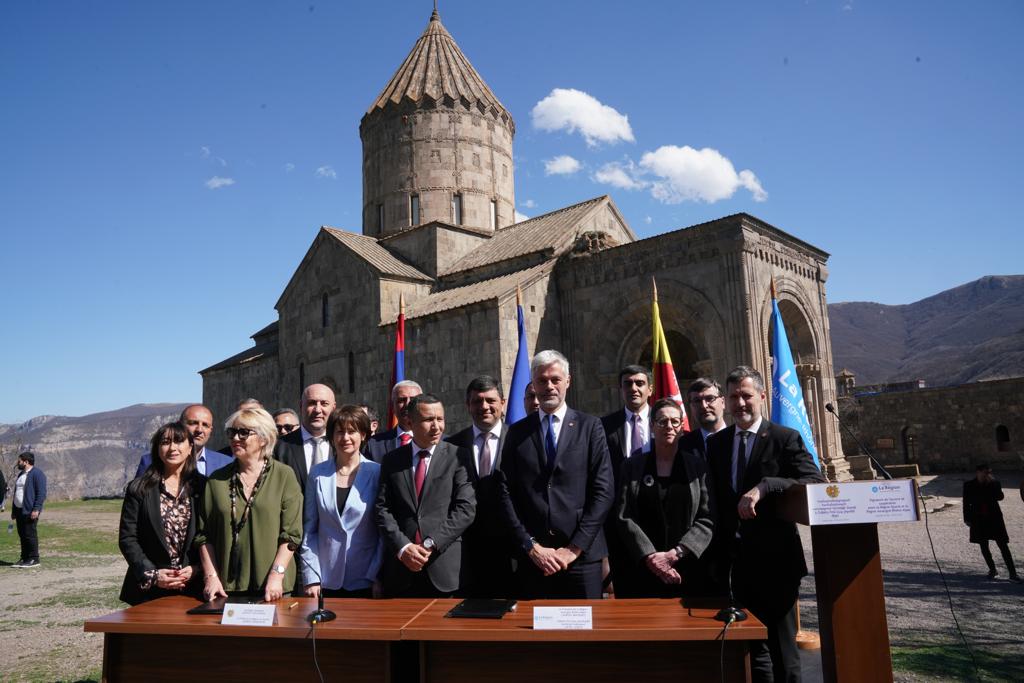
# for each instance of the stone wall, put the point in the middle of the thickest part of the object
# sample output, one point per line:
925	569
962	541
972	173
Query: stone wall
943	429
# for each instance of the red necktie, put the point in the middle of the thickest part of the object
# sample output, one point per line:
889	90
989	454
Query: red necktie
405	438
421	474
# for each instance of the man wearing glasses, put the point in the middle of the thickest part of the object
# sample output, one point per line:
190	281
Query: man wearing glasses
707	409
286	420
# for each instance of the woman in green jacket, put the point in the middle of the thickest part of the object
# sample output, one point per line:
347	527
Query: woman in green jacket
250	519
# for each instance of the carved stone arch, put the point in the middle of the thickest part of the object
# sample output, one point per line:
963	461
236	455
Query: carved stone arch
685	311
805	336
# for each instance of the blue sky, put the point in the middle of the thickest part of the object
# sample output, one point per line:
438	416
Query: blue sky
164	166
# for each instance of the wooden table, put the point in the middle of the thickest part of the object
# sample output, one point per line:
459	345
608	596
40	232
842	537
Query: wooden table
393	640
632	640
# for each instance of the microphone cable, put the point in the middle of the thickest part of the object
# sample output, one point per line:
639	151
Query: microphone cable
297	552
949	596
721	656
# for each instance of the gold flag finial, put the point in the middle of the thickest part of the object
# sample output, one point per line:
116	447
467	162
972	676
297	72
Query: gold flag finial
654	285
519	295
401	303
774	295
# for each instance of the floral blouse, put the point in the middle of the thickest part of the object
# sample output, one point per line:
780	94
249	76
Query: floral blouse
175	512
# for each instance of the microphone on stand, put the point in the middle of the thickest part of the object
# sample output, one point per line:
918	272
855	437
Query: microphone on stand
877	465
321	614
732	613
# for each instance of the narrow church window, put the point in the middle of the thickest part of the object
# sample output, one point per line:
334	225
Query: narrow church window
351	372
324	311
414	209
494	215
380	218
457	209
1002	439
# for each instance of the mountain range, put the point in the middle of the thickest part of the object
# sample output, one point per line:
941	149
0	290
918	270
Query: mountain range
966	334
89	456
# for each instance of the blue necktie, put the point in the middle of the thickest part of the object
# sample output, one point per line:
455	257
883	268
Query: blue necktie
550	449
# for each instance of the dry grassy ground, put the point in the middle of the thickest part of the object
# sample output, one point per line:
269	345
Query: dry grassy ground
42	610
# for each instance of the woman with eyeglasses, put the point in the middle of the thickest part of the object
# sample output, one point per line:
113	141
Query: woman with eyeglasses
158	521
342	547
250	519
664	513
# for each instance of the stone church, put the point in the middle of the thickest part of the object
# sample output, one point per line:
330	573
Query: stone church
439	231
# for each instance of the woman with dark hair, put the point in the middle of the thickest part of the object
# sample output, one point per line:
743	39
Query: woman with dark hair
250	519
341	543
158	520
664	514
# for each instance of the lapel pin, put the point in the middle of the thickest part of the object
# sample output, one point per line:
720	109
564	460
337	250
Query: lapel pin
648	480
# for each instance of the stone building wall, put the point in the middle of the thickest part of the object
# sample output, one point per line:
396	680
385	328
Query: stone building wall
223	389
942	429
435	153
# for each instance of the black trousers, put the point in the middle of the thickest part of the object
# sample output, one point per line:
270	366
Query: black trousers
581	581
1004	548
420	586
488	568
28	535
776	659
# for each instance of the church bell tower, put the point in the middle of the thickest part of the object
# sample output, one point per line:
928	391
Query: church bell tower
437	145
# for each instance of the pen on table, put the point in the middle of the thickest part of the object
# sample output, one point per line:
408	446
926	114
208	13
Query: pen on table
294	604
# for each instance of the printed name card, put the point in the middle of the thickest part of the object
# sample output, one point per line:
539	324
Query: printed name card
563	618
858	502
239	614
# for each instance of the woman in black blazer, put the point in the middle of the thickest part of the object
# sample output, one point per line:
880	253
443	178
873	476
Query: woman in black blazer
664	513
158	521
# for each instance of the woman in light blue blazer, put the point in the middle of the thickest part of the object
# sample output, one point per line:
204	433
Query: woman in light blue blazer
340	541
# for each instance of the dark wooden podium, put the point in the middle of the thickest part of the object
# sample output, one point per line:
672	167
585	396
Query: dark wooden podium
377	640
851	600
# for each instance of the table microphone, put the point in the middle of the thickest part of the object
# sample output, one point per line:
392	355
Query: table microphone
877	465
732	613
321	614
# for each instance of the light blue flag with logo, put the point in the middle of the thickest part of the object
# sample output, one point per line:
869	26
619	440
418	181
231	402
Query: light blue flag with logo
788	407
520	372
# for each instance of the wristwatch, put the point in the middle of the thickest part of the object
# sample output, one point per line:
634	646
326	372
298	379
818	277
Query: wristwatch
278	568
680	552
428	543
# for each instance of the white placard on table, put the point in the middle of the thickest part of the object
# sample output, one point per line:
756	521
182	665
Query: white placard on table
859	502
242	614
565	618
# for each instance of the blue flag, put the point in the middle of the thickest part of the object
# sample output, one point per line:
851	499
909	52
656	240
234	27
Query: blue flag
520	375
788	408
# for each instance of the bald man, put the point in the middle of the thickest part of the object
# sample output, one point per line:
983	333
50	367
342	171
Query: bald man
308	446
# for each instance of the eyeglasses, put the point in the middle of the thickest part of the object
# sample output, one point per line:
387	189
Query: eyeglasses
240	432
701	400
286	428
669	422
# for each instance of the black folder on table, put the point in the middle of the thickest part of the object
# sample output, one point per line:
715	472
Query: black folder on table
479	608
216	606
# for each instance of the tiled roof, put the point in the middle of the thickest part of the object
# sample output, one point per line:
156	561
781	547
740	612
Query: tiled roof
550	231
436	68
470	294
257	352
376	255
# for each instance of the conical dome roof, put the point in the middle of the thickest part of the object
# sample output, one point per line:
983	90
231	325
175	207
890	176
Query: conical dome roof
436	68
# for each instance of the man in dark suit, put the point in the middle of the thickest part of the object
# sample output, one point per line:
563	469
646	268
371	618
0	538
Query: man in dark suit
707	415
626	429
556	490
389	440
198	421
425	504
26	506
487	543
306	446
752	463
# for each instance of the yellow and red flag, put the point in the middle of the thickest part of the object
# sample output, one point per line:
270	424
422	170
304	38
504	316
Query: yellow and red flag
665	384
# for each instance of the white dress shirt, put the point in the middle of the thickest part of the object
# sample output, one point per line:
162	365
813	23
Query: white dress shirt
558	417
736	450
307	447
645	427
493	437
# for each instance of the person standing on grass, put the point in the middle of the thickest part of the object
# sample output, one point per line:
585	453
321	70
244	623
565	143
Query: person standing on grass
29	495
985	519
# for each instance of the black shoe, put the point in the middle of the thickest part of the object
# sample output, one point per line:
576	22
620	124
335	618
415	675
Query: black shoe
20	564
992	573
29	563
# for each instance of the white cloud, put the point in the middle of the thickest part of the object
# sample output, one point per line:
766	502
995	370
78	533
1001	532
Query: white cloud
621	175
289	167
204	152
687	174
216	182
574	110
520	217
648	220
326	172
562	165
530	204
